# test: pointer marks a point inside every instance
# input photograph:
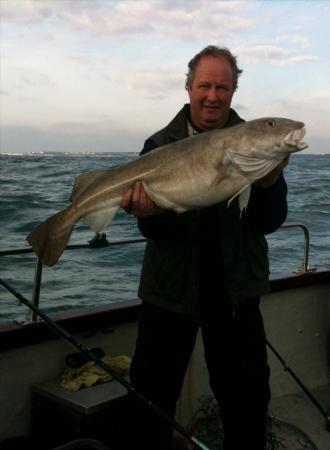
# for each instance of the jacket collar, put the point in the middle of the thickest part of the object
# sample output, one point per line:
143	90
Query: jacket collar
177	129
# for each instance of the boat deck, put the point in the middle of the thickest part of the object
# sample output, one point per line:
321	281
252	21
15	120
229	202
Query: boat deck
298	410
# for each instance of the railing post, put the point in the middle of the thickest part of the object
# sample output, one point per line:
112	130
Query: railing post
305	267
32	317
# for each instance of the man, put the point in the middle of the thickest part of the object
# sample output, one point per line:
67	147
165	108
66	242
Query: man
206	269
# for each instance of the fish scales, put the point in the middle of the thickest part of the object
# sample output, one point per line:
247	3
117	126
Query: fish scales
192	173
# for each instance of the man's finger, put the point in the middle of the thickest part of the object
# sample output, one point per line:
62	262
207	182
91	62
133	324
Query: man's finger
136	195
126	200
146	202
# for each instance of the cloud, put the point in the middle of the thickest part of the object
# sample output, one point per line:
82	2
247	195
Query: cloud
213	21
25	11
154	85
35	80
312	110
177	19
183	20
298	59
71	137
272	54
241	108
297	39
66	60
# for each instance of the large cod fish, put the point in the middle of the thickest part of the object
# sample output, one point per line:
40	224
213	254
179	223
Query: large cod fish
189	174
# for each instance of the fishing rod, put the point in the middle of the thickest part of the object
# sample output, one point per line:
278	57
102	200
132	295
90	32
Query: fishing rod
303	387
61	332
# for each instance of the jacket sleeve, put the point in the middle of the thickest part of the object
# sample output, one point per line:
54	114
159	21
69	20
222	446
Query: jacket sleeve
267	208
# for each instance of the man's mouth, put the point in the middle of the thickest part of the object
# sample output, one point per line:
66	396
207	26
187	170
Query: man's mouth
211	107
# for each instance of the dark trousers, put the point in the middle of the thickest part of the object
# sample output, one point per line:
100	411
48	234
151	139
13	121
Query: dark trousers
235	353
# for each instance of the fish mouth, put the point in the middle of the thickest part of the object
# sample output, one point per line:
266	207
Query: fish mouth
294	140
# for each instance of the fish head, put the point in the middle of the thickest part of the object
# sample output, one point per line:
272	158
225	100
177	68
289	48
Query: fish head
256	147
275	137
293	140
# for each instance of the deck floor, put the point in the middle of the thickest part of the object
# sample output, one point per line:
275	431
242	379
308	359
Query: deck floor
298	410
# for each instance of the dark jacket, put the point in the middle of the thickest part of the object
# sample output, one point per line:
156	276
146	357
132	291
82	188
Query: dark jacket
171	273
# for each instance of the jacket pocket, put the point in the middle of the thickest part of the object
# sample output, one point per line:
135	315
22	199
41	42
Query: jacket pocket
167	269
257	255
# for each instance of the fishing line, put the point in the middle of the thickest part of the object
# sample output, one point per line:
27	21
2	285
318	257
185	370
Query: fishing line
300	383
61	332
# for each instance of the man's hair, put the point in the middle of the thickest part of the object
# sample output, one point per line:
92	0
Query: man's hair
216	52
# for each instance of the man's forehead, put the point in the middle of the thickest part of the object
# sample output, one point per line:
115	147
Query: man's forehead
214	67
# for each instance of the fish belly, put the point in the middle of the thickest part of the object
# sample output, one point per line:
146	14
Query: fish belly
187	187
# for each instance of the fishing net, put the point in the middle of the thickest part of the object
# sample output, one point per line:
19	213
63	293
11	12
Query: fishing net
207	427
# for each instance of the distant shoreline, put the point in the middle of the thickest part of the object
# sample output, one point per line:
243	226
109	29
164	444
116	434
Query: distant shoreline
63	153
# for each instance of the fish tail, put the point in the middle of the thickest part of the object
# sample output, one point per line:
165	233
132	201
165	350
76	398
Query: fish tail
50	237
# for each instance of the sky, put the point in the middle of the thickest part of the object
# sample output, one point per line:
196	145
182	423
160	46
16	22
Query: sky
96	76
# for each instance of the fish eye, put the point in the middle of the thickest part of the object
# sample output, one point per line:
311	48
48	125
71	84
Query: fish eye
271	123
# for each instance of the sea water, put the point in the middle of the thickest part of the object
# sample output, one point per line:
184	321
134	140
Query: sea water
35	186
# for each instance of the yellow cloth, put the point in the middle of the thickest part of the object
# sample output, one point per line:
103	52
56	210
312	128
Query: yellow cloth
90	373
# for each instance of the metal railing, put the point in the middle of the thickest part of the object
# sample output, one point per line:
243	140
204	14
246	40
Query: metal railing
100	241
305	267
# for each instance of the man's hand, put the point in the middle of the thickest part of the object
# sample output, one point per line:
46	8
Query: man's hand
137	202
270	179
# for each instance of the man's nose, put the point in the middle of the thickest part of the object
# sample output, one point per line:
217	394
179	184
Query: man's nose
212	94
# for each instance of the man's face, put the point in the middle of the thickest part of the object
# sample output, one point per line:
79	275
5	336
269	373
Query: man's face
211	92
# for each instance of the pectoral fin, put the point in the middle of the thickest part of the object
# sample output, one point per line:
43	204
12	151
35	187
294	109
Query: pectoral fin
253	168
243	198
